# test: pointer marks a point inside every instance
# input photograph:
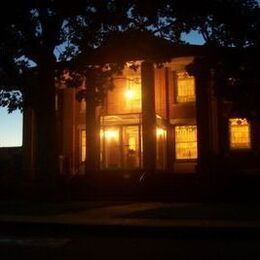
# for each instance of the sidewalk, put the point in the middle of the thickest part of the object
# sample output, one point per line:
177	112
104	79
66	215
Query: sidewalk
139	215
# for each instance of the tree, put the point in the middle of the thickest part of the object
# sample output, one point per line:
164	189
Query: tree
231	31
232	23
235	73
32	32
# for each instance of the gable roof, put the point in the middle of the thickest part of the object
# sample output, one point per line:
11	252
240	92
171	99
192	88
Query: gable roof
136	45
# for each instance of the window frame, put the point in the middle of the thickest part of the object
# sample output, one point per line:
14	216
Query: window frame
240	149
175	150
176	88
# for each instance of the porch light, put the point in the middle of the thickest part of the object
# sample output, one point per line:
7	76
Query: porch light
160	132
110	134
129	93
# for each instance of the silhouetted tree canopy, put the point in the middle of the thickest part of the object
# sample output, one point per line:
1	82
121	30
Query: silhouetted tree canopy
236	76
33	30
220	22
41	34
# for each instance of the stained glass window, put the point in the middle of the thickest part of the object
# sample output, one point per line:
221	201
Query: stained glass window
186	142
185	88
239	130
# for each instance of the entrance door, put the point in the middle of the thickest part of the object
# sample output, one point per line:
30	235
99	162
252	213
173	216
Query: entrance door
120	147
111	147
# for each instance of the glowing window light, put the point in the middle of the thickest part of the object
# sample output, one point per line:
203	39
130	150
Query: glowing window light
133	90
160	132
83	145
185	88
186	142
132	143
239	131
129	93
110	134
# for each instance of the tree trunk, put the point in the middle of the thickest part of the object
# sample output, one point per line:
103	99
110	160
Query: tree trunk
92	132
46	135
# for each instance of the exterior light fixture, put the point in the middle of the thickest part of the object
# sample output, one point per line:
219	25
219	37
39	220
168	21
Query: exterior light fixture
160	132
110	134
129	93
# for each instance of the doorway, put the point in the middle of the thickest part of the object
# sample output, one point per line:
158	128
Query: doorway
121	147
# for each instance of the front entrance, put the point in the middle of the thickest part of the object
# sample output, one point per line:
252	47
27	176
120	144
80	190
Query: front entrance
120	147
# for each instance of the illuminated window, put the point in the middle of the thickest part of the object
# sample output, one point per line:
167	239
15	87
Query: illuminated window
131	151
111	148
83	145
186	142
133	93
110	134
239	131
185	88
